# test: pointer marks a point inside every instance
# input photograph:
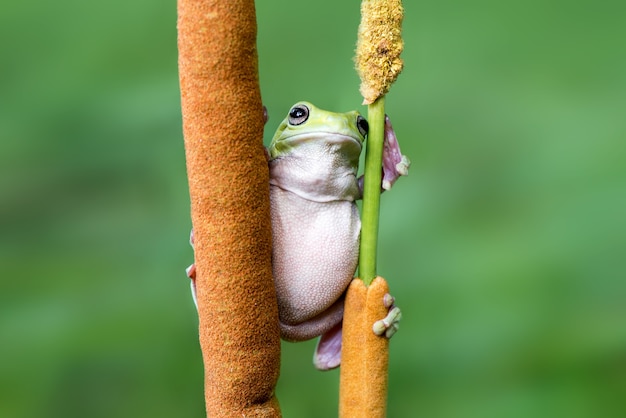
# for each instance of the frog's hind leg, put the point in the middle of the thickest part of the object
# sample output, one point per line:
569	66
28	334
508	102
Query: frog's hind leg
315	326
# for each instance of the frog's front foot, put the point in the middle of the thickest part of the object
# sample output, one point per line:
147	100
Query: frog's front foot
266	115
191	273
388	325
394	163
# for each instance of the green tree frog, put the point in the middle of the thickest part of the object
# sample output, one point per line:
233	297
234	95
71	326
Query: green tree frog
313	162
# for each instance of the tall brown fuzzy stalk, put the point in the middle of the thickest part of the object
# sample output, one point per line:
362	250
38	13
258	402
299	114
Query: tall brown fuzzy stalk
228	184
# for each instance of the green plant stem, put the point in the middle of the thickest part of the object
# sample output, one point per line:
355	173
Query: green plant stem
371	191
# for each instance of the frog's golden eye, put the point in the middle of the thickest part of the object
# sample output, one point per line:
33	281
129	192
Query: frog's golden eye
298	114
362	124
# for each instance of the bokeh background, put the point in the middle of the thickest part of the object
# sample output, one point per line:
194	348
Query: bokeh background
505	246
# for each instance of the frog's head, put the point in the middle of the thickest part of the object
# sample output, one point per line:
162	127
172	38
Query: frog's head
306	123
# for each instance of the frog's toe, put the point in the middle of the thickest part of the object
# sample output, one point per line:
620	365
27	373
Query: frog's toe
391	323
328	351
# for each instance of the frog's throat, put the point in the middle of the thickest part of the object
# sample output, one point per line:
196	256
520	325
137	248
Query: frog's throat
319	182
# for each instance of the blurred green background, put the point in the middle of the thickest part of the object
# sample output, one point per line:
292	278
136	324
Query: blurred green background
505	247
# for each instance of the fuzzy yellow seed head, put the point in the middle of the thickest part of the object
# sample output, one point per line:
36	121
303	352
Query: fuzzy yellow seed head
378	48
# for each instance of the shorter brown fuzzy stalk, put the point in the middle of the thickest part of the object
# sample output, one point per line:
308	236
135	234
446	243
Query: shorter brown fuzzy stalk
364	355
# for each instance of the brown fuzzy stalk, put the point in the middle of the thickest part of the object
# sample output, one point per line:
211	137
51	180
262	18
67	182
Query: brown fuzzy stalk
364	355
228	185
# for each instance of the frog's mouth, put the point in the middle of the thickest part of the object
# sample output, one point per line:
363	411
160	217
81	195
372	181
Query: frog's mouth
303	143
321	136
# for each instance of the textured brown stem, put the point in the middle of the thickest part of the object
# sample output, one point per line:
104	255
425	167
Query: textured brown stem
228	185
364	355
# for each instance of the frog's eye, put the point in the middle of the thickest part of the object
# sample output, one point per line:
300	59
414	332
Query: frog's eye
298	114
362	124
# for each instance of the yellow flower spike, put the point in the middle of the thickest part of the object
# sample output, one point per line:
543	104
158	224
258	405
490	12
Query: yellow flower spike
379	46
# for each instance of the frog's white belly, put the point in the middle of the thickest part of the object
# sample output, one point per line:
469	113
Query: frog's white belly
315	252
